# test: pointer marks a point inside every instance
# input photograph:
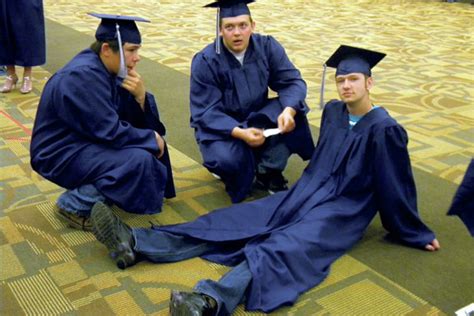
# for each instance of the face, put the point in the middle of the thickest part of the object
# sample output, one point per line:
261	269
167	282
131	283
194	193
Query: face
353	87
131	57
236	32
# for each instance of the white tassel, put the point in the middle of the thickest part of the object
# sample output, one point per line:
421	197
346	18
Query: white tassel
123	70
218	42
321	92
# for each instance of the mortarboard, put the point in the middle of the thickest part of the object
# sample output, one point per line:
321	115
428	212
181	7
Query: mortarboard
348	59
107	29
228	9
121	28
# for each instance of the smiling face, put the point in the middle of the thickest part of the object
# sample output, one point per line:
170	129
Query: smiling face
236	32
353	88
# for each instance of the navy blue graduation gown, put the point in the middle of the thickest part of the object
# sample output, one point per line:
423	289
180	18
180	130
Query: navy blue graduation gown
22	34
290	239
463	201
89	130
225	94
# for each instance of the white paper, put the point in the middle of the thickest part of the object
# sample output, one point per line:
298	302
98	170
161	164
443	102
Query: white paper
467	310
271	131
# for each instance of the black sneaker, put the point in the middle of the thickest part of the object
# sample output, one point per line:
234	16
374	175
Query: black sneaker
114	234
192	304
74	220
272	181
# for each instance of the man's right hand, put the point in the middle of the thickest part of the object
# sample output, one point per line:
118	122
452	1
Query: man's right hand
252	136
161	145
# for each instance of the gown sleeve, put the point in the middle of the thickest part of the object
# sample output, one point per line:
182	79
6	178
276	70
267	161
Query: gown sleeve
395	189
84	101
463	201
285	79
130	111
207	108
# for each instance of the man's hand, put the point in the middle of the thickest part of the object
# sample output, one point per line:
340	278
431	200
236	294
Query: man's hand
133	83
286	120
252	136
433	246
161	145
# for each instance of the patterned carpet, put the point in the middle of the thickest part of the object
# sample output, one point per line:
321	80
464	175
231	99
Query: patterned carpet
426	82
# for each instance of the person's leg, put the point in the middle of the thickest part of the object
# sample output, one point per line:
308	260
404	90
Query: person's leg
233	161
272	159
229	291
216	298
160	246
80	200
10	80
75	205
27	84
27	71
125	244
11	71
134	179
131	178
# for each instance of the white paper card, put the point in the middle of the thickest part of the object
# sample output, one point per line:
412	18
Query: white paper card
271	131
466	311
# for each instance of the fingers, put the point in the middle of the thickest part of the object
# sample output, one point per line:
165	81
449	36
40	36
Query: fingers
281	122
286	123
433	246
254	137
257	132
161	145
132	77
133	73
132	80
429	247
134	84
129	83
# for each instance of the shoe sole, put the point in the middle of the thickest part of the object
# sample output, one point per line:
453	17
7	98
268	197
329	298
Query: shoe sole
103	221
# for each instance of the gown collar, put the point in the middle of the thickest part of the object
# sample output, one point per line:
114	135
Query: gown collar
377	114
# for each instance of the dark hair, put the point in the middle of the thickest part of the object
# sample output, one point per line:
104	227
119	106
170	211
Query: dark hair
97	46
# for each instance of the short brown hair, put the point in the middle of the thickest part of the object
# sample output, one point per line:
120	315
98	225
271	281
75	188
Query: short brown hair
97	46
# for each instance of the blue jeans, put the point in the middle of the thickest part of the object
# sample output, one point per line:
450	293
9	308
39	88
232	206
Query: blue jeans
80	200
273	156
229	291
158	246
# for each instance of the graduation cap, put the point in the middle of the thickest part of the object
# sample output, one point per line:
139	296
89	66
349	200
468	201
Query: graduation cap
121	28
228	9
348	59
